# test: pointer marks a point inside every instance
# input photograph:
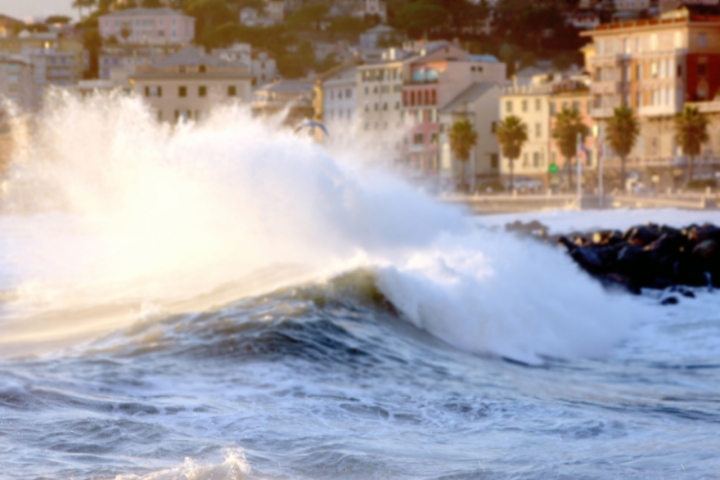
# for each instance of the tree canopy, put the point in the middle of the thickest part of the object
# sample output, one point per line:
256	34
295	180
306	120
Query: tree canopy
691	132
418	17
568	125
512	133
621	133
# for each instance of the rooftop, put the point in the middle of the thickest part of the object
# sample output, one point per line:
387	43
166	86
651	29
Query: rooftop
137	12
473	92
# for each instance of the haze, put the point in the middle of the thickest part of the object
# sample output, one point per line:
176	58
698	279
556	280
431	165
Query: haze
31	8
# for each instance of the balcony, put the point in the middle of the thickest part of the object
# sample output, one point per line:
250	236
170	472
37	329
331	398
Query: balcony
712	106
607	87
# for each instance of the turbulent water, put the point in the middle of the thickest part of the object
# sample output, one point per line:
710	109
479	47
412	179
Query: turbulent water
227	301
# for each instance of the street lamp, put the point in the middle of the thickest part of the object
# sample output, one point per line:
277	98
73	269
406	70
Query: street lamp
599	150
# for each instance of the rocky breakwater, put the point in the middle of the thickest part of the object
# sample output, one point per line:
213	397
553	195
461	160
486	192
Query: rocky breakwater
645	256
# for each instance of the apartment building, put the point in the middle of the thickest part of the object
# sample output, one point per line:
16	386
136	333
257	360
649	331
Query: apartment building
150	26
188	84
335	104
118	62
17	81
654	66
573	94
434	79
530	103
479	104
70	52
379	99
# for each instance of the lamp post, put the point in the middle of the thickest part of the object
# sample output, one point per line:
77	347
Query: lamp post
599	150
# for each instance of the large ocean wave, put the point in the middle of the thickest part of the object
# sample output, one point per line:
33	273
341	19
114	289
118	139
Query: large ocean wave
121	213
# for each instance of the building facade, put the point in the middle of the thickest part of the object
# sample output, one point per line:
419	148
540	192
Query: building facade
478	104
335	104
655	66
188	84
150	26
434	80
118	62
17	82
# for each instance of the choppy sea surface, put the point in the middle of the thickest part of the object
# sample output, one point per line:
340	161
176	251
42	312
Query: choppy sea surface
329	381
225	301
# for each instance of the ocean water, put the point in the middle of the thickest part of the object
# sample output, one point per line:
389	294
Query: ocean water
227	301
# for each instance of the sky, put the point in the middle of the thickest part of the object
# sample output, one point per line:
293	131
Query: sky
22	9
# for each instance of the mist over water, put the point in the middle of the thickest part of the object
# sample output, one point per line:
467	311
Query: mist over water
229	300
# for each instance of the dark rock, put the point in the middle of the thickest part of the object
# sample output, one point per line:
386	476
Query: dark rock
615	280
606	237
671	300
643	235
530	228
706	251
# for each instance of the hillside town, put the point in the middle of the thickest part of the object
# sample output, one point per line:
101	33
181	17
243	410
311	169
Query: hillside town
409	75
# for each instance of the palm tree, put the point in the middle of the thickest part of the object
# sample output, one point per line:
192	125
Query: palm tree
462	139
80	4
621	132
568	124
691	131
512	135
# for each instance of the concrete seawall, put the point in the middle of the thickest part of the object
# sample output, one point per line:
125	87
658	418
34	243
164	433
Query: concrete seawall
501	203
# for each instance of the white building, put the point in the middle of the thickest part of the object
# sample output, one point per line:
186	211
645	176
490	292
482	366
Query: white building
152	26
189	84
17	82
339	104
263	67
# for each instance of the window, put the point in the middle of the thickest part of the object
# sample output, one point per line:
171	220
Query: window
508	106
536	159
524	105
525	162
576	106
552	108
181	69
153	91
418	139
538	129
182	92
202	69
493	127
702	40
377	107
494	163
202	91
348	93
538	105
434	138
702	67
385	106
232	91
679	70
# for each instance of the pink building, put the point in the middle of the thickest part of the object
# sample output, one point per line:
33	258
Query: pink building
151	26
436	78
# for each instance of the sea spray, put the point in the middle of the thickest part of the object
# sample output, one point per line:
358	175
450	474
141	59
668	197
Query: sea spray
135	212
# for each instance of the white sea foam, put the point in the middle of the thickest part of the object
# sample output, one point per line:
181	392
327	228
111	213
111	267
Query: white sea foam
154	214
